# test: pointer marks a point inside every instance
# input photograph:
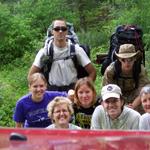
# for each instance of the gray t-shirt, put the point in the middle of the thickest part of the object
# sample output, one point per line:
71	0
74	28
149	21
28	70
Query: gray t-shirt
128	119
144	122
63	72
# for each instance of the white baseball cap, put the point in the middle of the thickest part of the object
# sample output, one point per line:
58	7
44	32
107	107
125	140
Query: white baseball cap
110	90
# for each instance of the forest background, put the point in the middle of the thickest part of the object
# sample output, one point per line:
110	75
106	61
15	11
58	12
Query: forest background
23	26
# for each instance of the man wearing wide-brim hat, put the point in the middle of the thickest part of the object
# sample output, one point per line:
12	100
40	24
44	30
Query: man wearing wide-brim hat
128	73
127	51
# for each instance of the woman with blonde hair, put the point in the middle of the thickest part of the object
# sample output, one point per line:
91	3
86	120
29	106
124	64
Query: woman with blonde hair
60	111
30	109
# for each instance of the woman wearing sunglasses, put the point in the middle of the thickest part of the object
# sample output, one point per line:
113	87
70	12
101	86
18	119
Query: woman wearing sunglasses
128	74
63	73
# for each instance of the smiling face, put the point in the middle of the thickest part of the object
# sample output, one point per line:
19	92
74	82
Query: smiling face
113	107
61	116
145	99
85	96
37	88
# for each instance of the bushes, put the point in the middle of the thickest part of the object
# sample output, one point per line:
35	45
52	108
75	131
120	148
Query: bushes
23	25
13	85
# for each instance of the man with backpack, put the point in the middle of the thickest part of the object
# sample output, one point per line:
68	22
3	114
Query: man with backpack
62	73
128	74
124	34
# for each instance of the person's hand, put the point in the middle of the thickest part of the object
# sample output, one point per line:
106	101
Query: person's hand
130	105
71	95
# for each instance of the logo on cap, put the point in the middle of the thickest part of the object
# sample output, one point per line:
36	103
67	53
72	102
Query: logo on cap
109	88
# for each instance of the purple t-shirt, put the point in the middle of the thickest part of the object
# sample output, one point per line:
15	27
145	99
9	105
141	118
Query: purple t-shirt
34	114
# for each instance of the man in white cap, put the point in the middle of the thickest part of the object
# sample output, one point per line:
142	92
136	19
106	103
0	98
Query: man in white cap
128	74
112	114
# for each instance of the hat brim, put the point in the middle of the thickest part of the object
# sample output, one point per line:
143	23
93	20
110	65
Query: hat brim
126	55
110	95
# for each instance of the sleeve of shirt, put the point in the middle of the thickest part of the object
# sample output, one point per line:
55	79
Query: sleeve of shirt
109	75
19	115
37	61
95	120
135	123
82	57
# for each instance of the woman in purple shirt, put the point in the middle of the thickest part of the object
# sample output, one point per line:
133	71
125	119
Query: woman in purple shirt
30	109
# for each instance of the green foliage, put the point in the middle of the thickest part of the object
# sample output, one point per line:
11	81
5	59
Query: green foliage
93	38
13	85
23	25
26	24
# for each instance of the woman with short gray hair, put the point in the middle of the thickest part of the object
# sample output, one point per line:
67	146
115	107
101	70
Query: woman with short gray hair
60	111
144	123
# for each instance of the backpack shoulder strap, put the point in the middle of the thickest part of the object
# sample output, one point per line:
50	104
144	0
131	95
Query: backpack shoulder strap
50	53
50	50
47	63
73	55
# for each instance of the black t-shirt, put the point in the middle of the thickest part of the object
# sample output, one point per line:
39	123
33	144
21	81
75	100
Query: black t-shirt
82	116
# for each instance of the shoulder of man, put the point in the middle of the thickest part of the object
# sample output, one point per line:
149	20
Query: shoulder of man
110	70
132	112
81	50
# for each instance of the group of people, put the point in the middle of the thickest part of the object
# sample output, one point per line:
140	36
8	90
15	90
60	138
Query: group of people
64	101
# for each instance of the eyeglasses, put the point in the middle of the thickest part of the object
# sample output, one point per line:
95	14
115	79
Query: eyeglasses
59	111
63	29
129	60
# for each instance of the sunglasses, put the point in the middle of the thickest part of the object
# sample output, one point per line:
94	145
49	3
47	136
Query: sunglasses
63	29
129	60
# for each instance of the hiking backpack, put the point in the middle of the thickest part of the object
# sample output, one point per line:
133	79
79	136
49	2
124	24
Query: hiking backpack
124	34
48	60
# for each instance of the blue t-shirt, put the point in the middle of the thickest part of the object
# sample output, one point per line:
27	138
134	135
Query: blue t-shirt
34	114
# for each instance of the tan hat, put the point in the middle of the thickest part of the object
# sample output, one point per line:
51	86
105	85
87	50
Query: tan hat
127	51
109	91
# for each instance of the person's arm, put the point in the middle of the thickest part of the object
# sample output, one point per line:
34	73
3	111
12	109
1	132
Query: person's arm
109	75
136	102
33	70
143	80
19	116
91	71
85	61
19	125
